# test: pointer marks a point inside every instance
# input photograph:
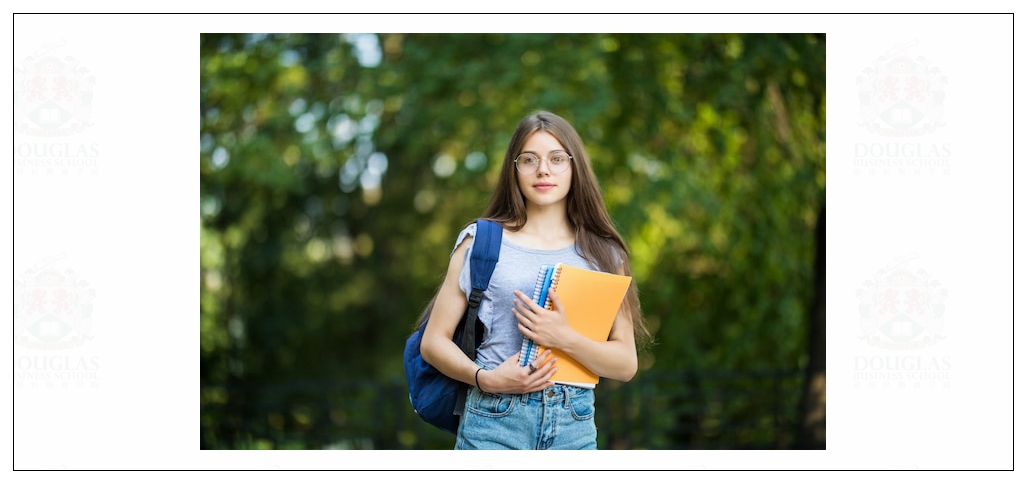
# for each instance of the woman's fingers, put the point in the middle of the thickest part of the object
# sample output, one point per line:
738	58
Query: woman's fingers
511	377
528	303
557	304
524	324
539	372
547	368
544	382
523	299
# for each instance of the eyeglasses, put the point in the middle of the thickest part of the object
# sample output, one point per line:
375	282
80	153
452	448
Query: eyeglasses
528	163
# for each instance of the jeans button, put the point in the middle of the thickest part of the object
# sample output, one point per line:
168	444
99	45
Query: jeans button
552	393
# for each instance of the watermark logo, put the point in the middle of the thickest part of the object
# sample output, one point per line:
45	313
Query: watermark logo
52	308
53	94
901	94
901	97
900	309
53	103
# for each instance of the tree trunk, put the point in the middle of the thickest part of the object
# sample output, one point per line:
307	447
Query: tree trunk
812	434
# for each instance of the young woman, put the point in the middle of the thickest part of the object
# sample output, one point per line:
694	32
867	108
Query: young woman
551	209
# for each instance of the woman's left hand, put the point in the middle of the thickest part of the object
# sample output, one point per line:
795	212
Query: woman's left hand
548	328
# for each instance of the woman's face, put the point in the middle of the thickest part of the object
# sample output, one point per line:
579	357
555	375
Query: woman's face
545	186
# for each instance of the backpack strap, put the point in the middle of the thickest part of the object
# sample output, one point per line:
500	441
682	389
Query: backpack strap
483	258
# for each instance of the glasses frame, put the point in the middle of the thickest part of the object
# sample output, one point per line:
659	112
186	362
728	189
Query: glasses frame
516	162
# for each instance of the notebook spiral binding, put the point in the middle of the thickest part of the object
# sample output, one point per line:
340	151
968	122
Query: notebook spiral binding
547	277
552	285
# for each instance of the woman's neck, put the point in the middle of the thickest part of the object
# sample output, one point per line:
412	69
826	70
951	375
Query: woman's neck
548	223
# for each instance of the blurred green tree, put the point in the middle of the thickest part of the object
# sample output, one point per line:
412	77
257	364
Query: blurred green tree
336	171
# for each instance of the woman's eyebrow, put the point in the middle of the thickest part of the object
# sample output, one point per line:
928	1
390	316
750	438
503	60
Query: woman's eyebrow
550	152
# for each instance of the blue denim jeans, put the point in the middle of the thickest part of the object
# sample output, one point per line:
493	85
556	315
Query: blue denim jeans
560	417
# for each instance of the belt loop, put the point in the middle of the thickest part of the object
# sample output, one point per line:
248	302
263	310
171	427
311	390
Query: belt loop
566	396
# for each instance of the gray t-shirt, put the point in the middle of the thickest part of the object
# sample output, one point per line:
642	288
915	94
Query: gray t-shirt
517	268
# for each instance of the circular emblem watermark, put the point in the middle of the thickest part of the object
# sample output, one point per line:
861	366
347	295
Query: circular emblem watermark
900	95
53	94
900	309
52	308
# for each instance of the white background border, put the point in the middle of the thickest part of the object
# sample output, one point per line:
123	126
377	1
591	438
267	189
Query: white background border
137	220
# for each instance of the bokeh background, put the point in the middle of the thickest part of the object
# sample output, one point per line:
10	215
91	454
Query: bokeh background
336	171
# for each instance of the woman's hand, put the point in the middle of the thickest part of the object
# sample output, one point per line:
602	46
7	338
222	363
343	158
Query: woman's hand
510	378
548	328
614	358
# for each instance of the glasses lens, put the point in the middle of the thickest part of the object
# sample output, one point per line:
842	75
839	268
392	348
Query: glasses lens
559	161
527	163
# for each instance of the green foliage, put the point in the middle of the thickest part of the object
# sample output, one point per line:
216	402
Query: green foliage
334	181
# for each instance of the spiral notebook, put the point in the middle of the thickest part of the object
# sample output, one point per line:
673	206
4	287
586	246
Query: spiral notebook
591	300
529	350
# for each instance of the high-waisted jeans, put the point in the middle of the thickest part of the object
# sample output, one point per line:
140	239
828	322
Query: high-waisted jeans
560	417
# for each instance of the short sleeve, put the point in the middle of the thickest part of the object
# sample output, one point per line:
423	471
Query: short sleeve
469	231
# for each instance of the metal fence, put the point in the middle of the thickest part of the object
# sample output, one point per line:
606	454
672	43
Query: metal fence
752	409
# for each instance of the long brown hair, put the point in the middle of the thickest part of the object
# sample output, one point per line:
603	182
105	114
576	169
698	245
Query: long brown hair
596	238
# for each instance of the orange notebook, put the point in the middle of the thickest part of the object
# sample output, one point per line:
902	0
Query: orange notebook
591	300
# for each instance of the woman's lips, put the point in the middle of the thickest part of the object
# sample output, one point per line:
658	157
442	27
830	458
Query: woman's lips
544	186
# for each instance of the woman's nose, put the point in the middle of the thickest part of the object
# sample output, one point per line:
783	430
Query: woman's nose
543	165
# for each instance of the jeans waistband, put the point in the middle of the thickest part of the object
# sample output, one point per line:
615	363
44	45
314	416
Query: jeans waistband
558	394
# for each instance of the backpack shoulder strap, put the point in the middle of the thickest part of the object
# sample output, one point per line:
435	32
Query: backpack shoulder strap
482	263
485	254
483	258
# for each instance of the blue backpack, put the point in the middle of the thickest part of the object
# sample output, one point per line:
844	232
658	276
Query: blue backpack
436	398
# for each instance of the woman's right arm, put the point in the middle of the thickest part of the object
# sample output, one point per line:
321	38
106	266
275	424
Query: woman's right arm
437	346
443	354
